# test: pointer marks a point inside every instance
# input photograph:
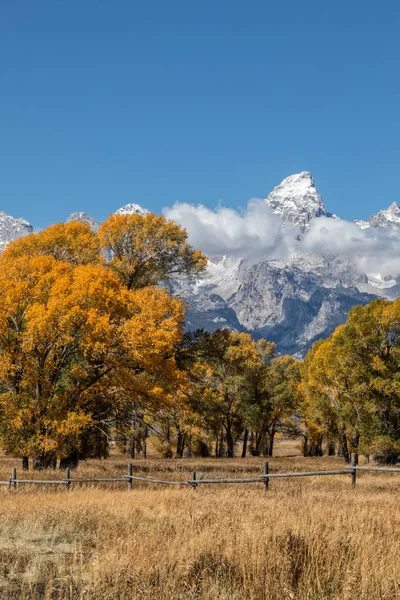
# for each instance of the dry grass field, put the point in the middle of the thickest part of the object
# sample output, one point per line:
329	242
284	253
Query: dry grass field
306	539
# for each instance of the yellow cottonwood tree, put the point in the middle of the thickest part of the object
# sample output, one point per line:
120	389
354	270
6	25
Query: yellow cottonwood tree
86	340
148	249
351	381
73	342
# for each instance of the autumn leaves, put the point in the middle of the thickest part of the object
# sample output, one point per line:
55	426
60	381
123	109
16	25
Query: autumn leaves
92	347
80	335
349	390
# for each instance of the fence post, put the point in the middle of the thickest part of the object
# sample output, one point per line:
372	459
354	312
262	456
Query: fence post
68	477
194	477
266	481
130	471
13	480
353	471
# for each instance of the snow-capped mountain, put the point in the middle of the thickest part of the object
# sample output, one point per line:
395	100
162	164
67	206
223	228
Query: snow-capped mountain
284	303
296	200
292	300
295	301
388	219
84	218
130	209
12	228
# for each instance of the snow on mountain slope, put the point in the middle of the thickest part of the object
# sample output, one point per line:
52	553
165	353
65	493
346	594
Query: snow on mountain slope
292	302
387	219
283	303
130	209
296	200
84	218
12	228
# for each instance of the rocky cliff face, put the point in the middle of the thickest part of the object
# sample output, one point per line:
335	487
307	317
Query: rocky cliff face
282	303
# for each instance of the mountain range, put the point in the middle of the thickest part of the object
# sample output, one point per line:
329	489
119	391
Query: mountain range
292	300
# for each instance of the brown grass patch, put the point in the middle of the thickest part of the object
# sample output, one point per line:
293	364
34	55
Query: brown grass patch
306	539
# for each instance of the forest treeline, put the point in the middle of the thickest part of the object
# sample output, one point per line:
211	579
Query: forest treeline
93	349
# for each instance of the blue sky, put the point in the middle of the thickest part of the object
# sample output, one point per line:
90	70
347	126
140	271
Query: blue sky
108	102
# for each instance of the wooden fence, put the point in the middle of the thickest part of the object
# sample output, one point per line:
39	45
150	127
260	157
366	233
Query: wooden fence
194	481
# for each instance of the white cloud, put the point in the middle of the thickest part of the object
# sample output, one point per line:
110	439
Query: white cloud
253	233
256	233
373	250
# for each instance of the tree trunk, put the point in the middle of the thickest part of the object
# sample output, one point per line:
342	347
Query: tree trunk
25	463
271	442
132	445
229	441
245	438
392	458
386	457
70	461
252	446
355	440
331	449
145	436
259	444
221	445
305	446
48	460
345	448
180	445
202	449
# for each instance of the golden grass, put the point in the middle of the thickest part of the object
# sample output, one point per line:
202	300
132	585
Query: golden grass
306	539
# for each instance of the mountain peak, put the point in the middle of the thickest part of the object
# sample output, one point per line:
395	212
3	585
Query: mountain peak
394	208
389	218
130	209
12	228
82	217
296	200
303	178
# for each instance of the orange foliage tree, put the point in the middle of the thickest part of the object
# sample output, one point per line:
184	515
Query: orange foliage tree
76	344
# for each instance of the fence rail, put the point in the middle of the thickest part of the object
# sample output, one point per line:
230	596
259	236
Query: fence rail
383	469
194	481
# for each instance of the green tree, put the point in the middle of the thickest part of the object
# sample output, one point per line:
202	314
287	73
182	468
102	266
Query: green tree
351	382
223	368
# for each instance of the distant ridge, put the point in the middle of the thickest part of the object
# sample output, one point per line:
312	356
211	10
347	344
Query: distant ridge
291	302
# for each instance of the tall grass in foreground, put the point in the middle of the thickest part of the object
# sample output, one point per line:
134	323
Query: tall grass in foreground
304	539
